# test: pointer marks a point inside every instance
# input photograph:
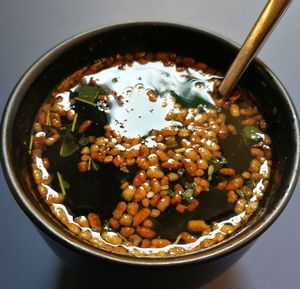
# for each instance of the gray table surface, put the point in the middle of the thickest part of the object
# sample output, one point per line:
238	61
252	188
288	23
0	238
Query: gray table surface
29	28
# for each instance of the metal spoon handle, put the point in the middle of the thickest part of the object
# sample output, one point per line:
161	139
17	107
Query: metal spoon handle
264	25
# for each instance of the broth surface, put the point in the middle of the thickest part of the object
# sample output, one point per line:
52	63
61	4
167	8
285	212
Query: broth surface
139	155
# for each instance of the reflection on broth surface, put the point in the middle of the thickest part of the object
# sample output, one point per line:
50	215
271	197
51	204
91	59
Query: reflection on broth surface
137	154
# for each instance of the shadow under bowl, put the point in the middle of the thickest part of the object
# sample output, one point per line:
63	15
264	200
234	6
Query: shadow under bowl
78	51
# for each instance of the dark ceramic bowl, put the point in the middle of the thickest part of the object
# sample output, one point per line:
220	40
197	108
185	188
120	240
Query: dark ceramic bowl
76	52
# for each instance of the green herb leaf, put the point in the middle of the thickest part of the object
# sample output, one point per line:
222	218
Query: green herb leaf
95	166
240	193
217	163
187	195
83	141
171	193
180	172
64	185
252	134
69	144
88	92
188	185
210	172
251	184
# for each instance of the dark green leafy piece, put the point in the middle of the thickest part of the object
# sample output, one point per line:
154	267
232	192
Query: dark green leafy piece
69	144
88	93
251	184
252	135
83	141
64	185
240	193
171	193
187	195
217	163
210	172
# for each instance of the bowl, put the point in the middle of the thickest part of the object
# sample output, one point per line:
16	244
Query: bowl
213	49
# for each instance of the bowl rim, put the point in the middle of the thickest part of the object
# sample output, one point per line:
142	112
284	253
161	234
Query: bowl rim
65	238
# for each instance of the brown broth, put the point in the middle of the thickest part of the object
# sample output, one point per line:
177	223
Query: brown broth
130	112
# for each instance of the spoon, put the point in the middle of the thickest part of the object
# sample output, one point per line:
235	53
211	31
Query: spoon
264	25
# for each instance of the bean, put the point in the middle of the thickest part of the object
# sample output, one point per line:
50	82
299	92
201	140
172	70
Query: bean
155	213
114	223
155	185
135	239
173	177
171	164
139	194
126	220
180	208
51	140
119	210
162	155
227	229
128	192
127	232
234	110
111	238
160	243
227	171
141	216
145	233
205	153
38	176
148	223
240	206
232	129
132	208
139	178
190	166
248	122
235	183
200	118
94	221
163	203
82	221
197	226
231	196
154	172
188	238
83	166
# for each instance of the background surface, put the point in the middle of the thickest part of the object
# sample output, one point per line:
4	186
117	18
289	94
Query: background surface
31	27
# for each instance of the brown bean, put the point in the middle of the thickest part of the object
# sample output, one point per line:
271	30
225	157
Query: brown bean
128	193
227	171
154	172
84	126
127	232
160	243
141	216
197	226
132	208
145	233
139	194
155	185
163	203
190	166
139	178
119	210
94	221
188	238
126	220
114	223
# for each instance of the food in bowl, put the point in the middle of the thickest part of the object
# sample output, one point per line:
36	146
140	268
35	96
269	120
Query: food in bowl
138	154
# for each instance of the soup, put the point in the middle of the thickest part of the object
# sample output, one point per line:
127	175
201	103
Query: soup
138	154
